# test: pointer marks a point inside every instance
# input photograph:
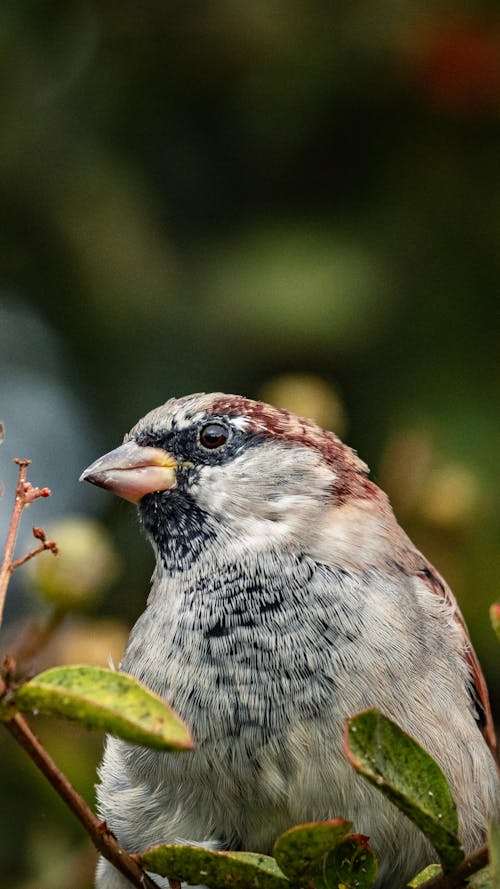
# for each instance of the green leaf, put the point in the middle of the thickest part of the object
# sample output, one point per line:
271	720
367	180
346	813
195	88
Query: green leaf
482	879
350	865
432	870
106	700
195	865
495	618
494	846
402	770
302	849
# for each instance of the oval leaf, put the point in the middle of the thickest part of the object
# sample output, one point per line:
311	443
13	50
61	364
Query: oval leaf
398	766
351	864
482	879
195	865
300	852
428	873
107	700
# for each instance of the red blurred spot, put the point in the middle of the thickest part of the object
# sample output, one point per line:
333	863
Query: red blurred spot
456	66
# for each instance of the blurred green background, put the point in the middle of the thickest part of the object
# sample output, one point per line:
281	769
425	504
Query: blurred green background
295	200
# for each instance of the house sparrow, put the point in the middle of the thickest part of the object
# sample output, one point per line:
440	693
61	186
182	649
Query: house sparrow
285	598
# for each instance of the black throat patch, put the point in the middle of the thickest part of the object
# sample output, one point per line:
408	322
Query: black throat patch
179	529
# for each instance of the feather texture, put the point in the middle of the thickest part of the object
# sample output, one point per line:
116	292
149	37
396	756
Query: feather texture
286	598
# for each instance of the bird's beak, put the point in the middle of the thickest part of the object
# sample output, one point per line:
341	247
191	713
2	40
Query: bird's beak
132	471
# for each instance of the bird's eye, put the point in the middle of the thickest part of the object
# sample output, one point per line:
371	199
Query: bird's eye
214	435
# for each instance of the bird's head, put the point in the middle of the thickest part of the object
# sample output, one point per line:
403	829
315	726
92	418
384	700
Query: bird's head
227	469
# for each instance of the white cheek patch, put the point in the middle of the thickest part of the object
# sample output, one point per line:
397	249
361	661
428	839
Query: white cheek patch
270	494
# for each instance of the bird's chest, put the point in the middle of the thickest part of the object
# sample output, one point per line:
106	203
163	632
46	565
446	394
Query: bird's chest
259	666
245	682
244	654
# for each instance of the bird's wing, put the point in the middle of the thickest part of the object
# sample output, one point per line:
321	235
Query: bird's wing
478	688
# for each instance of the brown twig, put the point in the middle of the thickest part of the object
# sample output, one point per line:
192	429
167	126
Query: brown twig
35	635
458	877
16	563
103	839
25	493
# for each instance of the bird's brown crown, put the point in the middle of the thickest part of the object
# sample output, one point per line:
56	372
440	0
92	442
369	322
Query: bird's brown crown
351	471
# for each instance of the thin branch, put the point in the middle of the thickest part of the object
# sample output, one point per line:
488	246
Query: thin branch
35	635
25	493
103	839
10	543
50	544
458	877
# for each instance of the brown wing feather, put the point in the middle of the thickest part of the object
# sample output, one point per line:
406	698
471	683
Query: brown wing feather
479	689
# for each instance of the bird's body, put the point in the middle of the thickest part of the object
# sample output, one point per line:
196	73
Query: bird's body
285	599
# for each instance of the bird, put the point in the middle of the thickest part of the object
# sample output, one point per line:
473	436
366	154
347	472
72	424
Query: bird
285	598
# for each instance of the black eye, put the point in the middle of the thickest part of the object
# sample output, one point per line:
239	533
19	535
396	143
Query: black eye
214	435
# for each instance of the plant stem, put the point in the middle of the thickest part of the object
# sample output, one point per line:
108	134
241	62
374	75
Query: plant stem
6	569
469	866
103	839
16	563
